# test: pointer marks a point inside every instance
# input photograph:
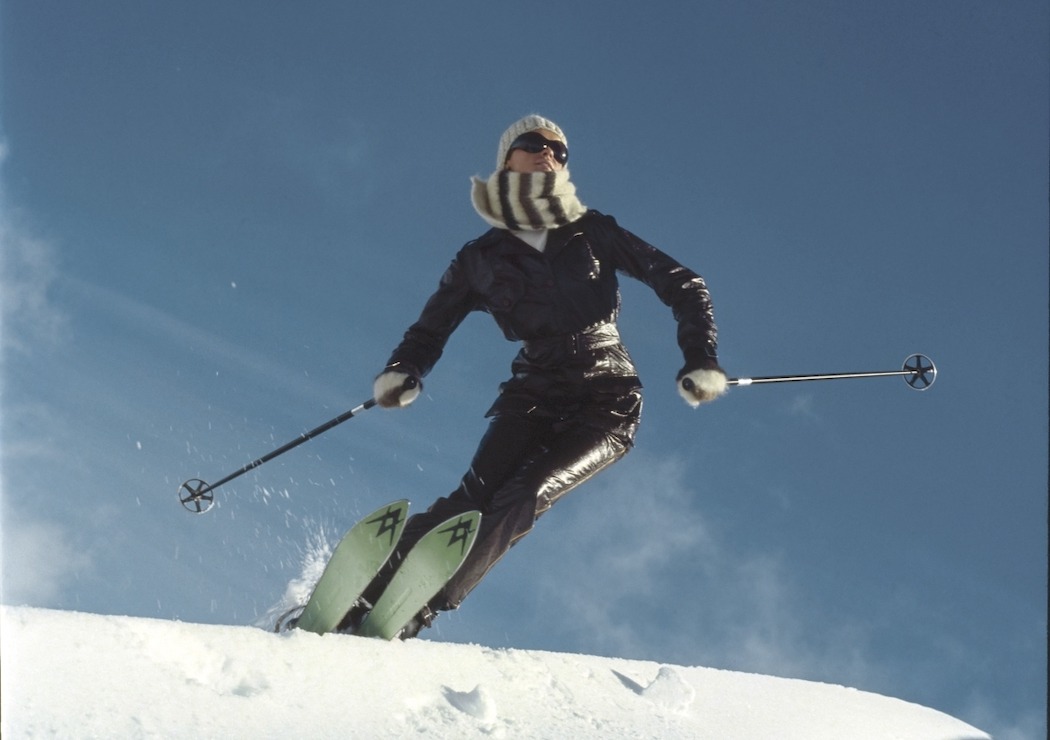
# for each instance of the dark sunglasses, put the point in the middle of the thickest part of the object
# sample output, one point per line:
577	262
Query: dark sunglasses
534	143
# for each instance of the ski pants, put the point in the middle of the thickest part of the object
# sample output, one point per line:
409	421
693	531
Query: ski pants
523	465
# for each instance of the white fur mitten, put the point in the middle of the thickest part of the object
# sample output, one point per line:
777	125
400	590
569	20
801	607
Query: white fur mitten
395	389
701	386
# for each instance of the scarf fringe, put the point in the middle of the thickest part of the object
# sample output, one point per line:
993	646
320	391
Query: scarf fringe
526	201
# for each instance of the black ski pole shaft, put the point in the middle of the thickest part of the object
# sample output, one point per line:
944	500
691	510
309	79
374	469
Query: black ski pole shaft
304	437
198	497
919	372
800	378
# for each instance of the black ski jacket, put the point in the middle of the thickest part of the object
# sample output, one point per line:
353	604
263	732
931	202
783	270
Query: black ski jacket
562	303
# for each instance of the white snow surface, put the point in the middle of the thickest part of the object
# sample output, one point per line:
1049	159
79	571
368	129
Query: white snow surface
76	675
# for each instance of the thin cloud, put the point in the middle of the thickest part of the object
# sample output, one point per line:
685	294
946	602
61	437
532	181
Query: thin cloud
802	405
631	540
37	562
28	270
188	340
1024	726
633	528
183	344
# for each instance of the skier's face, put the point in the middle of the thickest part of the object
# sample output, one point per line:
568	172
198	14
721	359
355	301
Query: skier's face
520	160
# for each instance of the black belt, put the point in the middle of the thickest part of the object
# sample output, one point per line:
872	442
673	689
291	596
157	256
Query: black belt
596	337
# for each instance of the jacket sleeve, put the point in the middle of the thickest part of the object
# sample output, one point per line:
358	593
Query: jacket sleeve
683	290
425	340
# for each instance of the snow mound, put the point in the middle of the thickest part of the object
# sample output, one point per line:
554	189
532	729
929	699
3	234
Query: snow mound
68	674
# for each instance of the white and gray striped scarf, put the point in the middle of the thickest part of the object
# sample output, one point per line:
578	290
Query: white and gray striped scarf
527	201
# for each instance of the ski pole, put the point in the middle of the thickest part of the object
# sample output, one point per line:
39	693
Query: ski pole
196	495
919	371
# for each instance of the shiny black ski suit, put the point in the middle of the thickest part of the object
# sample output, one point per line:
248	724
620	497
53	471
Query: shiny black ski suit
572	405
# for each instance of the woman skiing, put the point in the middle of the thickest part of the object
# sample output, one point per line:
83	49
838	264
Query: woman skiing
547	273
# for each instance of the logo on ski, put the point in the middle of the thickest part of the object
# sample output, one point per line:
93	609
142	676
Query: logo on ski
460	533
389	521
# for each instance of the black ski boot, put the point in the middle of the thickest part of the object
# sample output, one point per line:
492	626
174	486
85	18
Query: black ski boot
418	623
353	619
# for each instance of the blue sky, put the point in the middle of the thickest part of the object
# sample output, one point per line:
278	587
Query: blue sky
218	219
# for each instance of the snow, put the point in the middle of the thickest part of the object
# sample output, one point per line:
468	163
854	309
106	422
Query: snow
71	675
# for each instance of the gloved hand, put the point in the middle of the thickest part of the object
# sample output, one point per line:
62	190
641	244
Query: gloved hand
701	386
396	389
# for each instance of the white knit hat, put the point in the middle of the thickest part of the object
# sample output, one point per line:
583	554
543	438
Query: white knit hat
528	123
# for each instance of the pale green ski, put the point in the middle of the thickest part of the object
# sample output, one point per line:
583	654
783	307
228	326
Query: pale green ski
426	568
355	562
